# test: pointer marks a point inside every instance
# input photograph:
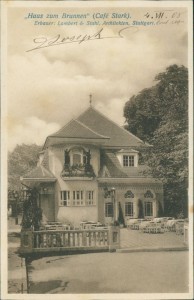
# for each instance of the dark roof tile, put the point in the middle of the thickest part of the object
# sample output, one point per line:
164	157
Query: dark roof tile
76	130
119	137
115	169
39	172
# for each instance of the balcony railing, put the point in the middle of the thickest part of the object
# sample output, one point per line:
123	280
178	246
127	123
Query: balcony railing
78	170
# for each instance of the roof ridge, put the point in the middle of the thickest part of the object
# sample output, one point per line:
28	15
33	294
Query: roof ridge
84	111
128	132
56	133
103	136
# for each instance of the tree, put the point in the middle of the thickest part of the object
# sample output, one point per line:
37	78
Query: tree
20	161
121	219
159	116
32	214
140	209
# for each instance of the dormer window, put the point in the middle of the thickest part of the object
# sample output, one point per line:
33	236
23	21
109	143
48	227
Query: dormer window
128	161
128	157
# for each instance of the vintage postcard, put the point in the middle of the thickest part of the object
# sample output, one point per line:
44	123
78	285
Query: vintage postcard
96	150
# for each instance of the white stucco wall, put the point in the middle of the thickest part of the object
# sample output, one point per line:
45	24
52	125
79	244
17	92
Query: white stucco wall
138	190
76	214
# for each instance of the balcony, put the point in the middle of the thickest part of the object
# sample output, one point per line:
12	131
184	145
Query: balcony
77	170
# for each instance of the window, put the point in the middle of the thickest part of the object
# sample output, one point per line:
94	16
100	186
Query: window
128	160
65	198
78	198
79	156
109	209
76	159
148	209
90	198
129	209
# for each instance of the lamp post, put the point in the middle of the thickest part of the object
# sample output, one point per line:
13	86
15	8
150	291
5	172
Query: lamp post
24	193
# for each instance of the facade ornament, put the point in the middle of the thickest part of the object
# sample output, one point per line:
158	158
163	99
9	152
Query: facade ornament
148	194
67	157
129	194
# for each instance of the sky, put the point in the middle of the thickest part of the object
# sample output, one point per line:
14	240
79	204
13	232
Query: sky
48	87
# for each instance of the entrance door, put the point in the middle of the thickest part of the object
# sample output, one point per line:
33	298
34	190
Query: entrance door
48	206
109	212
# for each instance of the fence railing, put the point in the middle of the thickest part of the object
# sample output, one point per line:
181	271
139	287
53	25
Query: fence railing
69	240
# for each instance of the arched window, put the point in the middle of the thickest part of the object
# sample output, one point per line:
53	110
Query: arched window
77	156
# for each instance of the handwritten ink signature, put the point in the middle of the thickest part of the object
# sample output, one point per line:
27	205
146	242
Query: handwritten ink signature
45	42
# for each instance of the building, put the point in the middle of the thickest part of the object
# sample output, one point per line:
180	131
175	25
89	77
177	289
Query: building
89	171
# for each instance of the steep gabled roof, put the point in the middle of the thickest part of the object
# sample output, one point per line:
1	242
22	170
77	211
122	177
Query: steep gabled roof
78	130
119	137
75	130
93	126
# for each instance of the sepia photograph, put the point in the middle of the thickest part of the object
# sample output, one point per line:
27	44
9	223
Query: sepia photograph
96	150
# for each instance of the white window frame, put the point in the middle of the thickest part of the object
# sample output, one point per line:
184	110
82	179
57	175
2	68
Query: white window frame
78	198
65	198
90	198
128	160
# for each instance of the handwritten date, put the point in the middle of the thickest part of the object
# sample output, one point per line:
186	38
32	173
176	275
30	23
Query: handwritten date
164	14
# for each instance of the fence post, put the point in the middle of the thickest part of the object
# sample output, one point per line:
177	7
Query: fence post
114	238
27	241
84	238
